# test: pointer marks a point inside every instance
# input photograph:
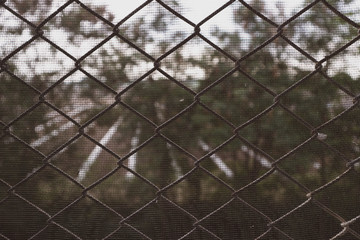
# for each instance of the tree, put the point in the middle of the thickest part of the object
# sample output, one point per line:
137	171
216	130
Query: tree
157	124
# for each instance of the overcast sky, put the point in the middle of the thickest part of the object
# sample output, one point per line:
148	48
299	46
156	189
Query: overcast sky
194	10
197	10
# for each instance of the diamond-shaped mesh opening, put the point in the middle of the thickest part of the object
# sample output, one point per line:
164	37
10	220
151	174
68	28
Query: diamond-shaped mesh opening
156	106
82	157
220	29
111	8
237	164
278	191
215	66
161	220
314	164
14	38
40	64
88	97
200	233
160	155
188	68
22	98
218	167
355	226
276	133
274	233
117	189
321	225
197	188
202	130
54	232
75	27
42	125
191	11
120	130
76	219
104	8
223	38
117	64
325	99
35	11
342	134
126	232
57	195
154	20
242	98
236	221
341	68
18	219
335	196
349	235
17	168
277	12
277	66
321	36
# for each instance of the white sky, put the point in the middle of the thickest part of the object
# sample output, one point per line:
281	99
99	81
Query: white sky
197	10
194	10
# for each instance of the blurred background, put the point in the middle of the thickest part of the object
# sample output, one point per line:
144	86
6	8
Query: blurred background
68	78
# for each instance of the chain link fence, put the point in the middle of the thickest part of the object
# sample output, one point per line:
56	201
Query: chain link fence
309	189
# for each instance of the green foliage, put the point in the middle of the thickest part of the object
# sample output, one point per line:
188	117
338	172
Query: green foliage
151	110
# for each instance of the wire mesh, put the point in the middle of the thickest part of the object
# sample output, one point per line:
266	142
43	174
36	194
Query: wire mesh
173	219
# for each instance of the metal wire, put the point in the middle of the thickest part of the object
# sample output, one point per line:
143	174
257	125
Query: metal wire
314	131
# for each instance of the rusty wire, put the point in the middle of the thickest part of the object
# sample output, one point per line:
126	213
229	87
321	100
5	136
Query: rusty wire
345	224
